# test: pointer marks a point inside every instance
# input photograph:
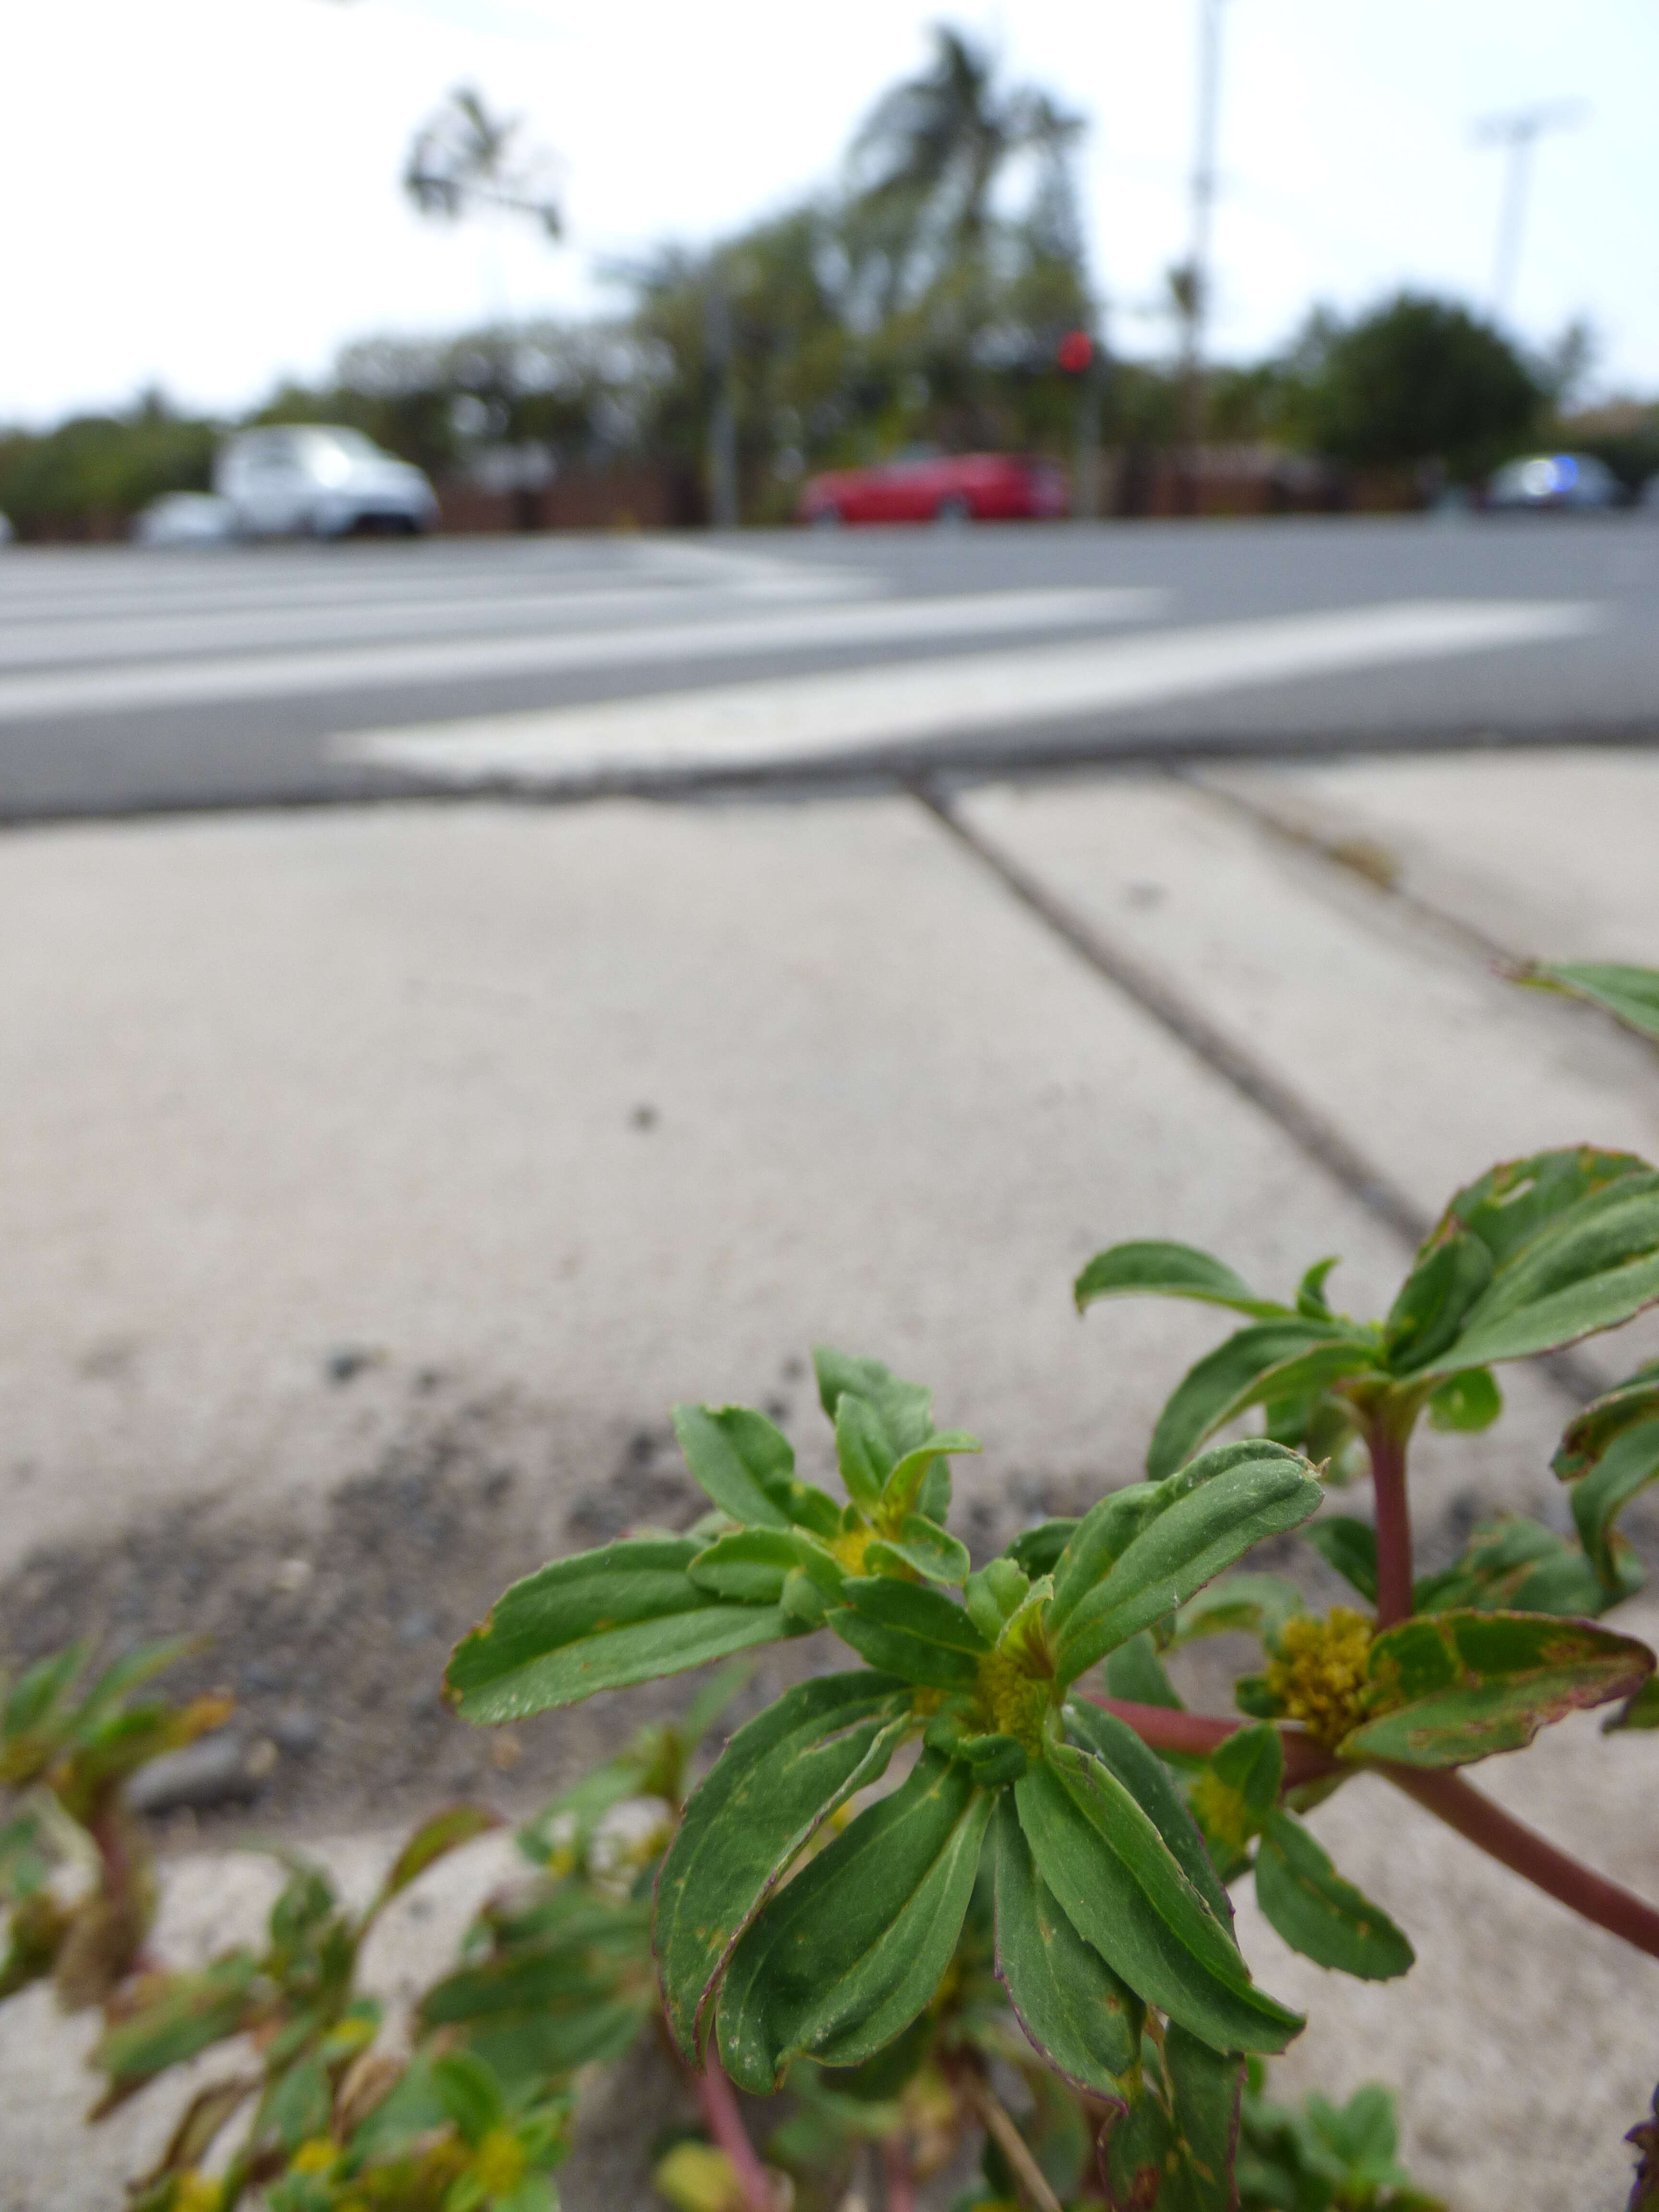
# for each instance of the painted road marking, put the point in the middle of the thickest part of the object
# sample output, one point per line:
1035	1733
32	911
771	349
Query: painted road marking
790	720
266	675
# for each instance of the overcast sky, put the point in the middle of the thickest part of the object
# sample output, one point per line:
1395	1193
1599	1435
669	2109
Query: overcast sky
203	193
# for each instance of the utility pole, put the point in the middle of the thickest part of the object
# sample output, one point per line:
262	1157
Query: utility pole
1518	132
1192	283
723	416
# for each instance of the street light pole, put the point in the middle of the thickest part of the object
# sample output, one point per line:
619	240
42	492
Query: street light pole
1195	288
1518	133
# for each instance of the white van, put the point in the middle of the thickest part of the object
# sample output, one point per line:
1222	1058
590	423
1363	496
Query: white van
317	481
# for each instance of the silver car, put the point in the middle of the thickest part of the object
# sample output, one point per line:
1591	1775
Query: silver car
315	480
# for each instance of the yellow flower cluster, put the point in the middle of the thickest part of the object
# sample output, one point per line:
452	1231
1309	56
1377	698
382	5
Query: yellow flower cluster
1014	1700
1318	1676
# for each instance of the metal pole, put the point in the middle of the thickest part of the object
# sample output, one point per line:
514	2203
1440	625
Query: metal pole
1517	170
1518	134
1085	443
1203	211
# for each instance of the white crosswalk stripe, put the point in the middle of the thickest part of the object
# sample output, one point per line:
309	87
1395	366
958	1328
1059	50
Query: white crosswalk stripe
712	635
798	719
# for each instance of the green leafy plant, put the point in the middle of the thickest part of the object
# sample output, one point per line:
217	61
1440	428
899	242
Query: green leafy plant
1103	1819
997	1848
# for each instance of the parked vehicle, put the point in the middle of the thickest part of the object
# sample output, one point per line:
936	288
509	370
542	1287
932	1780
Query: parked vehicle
922	484
186	518
315	480
1542	481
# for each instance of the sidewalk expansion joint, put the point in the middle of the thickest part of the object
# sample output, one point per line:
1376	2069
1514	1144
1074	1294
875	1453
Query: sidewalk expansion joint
1237	1065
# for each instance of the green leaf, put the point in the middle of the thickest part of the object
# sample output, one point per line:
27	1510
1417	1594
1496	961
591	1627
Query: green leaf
1311	1301
1037	1551
901	1494
40	1689
1462	1685
1435	1299
1134	1672
747	1467
1253	1604
1573	1240
1590	1433
436	1837
1121	1888
995	1595
1250	1765
1515	1566
527	1976
1217	1507
1155	1269
1177	2157
299	2105
1350	1546
749	1566
780	1777
1611	1459
906	1408
924	1545
1083	2018
863	1451
189	2014
532	2048
1318	1913
1466	1402
910	1630
1146	1778
1641	1712
602	1620
470	2094
1630	995
1270	1359
852	1950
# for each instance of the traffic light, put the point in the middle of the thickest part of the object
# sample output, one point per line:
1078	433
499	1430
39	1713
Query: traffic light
1076	350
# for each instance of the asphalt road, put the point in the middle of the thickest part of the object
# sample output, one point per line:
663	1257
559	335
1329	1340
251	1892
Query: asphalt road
289	675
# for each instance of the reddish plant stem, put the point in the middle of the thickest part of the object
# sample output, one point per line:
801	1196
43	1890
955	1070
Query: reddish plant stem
1447	1795
1460	1806
719	2108
1393	1524
900	2178
1167	1729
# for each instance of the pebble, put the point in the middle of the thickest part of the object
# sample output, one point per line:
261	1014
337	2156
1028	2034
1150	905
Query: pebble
297	1731
215	1772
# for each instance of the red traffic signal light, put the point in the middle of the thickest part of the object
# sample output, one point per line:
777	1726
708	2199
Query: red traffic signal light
1076	350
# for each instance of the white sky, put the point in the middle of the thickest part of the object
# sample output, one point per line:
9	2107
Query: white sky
204	193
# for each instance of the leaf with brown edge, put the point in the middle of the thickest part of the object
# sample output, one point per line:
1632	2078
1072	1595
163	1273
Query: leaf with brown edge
1454	1687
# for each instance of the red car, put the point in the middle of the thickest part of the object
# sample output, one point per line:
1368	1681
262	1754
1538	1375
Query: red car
924	485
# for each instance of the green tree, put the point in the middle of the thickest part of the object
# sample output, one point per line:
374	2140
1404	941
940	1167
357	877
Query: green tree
1416	380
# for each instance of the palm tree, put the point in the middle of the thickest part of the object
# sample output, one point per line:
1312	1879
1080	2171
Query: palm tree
464	158
927	160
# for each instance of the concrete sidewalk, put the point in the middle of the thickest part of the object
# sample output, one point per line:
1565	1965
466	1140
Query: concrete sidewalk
419	1158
